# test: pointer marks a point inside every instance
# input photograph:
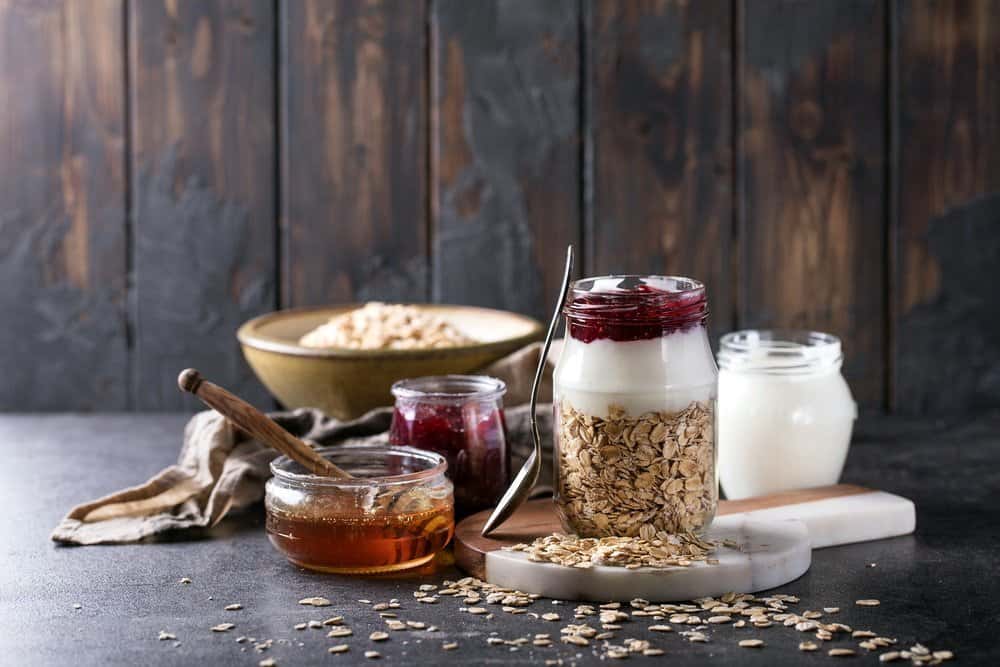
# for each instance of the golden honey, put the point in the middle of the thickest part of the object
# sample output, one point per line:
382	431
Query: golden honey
361	543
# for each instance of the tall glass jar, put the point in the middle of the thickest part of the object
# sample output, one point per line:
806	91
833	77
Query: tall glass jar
782	399
461	418
634	400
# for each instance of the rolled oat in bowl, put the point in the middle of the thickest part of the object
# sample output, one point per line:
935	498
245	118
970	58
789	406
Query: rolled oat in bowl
381	326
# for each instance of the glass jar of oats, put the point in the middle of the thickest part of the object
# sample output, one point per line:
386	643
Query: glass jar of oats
634	401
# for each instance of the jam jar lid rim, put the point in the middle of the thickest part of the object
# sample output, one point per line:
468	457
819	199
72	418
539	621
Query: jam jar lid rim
311	479
490	388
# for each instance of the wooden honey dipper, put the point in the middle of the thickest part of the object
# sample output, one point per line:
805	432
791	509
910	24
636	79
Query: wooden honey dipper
256	423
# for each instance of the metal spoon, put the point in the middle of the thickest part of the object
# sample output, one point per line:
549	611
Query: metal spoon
526	477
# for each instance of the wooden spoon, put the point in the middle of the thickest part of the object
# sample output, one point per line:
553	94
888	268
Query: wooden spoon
256	423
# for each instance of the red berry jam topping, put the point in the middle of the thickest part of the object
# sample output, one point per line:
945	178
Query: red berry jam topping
625	308
459	417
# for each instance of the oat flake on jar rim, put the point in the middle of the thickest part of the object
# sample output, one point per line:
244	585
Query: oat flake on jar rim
634	401
785	411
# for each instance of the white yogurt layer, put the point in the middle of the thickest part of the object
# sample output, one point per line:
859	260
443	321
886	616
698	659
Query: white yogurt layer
665	373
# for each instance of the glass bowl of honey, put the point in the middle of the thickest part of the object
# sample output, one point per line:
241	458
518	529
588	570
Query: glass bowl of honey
396	512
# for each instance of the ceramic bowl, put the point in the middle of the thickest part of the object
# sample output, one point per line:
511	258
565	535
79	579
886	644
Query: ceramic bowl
346	383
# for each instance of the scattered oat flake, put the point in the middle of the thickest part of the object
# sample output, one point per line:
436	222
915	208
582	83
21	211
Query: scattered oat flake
315	602
449	646
808	646
268	662
233	607
340	632
840	652
334	620
476	611
661	628
185	580
889	657
652	651
831	610
942	655
223	627
300	626
339	648
546	617
378	636
77	605
867	603
751	643
164	635
372	654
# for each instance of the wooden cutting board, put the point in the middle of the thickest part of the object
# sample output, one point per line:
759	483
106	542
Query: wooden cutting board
776	534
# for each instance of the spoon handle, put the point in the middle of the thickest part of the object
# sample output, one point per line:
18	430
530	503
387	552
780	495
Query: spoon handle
526	477
256	423
539	372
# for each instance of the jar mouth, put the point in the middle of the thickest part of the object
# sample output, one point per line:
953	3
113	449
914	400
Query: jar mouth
368	463
779	351
450	388
633	307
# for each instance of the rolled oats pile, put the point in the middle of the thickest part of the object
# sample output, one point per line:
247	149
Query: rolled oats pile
636	476
628	552
380	326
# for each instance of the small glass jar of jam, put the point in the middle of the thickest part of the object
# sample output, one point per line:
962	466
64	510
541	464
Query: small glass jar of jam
395	513
634	401
461	418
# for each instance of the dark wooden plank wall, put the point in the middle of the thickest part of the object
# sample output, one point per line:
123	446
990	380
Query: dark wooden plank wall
353	158
201	83
812	203
660	134
170	168
63	336
505	175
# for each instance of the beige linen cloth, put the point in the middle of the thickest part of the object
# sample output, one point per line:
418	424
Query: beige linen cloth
220	469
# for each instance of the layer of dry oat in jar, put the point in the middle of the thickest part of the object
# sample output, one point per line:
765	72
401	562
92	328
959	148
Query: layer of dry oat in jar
636	476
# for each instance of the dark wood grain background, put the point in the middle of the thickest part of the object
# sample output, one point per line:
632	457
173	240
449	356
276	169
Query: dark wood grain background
171	168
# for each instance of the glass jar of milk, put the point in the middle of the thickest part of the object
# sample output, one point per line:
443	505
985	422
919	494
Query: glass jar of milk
785	411
634	398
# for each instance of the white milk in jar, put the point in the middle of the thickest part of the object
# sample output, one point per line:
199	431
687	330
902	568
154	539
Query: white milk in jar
785	412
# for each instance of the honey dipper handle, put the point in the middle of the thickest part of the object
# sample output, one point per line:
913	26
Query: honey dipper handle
256	423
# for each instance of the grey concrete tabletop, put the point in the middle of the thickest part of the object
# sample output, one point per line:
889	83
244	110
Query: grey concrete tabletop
107	604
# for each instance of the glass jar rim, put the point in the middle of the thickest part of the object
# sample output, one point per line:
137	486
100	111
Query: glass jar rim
450	388
779	351
281	467
674	285
671	300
